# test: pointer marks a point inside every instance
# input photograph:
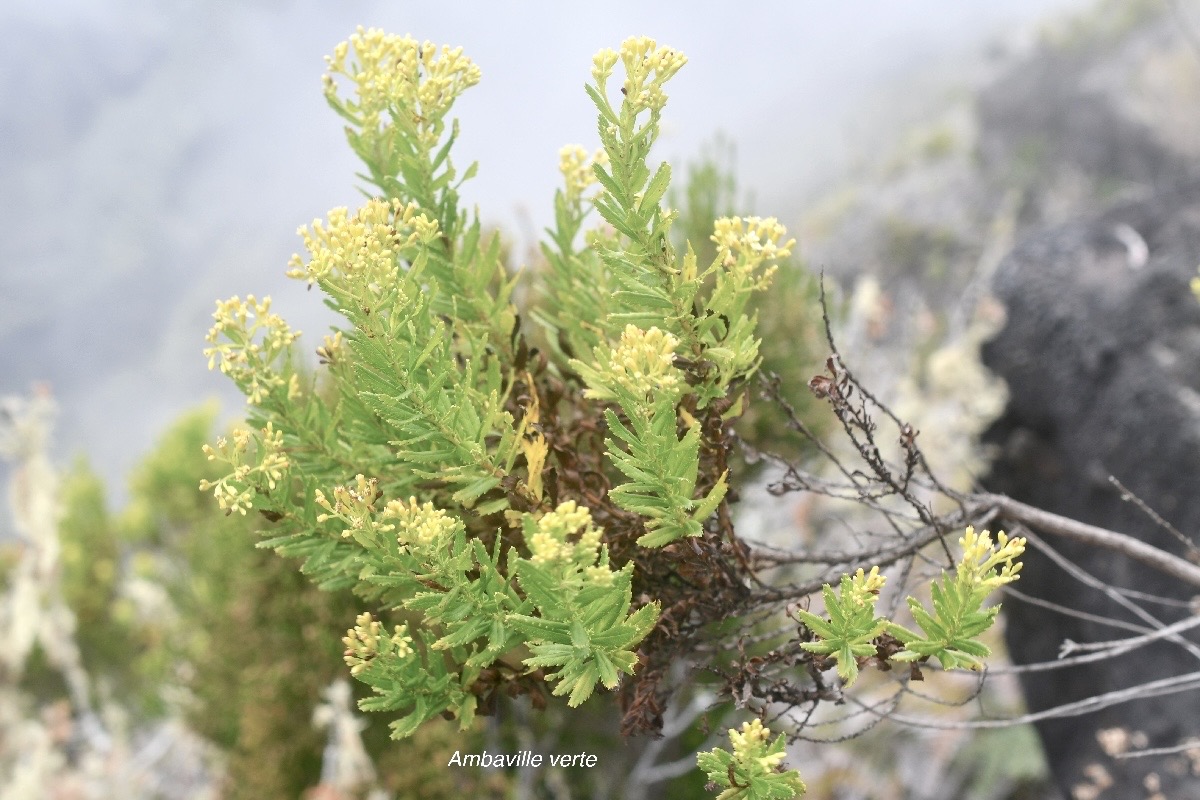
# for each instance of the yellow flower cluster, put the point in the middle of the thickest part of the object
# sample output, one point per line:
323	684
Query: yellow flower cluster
253	339
331	349
419	525
1196	287
643	363
647	68
746	244
750	740
414	525
981	558
396	75
366	640
353	504
549	544
602	65
576	168
364	246
865	585
235	491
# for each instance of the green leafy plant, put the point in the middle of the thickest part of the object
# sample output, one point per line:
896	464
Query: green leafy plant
852	628
958	616
520	517
853	632
431	389
752	770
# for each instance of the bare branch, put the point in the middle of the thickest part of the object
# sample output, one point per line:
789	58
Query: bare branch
1056	525
1164	686
1128	496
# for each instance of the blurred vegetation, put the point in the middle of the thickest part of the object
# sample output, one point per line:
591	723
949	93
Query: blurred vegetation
170	595
789	314
1100	24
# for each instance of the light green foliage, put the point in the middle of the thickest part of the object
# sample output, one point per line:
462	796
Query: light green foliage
252	641
430	392
640	377
260	641
583	625
792	345
635	287
852	625
951	631
502	504
752	771
958	616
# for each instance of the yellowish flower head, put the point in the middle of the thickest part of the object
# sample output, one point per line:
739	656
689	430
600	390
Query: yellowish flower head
647	68
247	338
981	558
402	642
412	83
549	540
576	168
419	525
866	584
367	640
749	739
643	363
363	247
331	349
267	464
772	760
600	574
353	504
602	65
750	242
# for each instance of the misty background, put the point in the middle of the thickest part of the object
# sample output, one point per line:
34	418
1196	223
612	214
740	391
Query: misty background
157	157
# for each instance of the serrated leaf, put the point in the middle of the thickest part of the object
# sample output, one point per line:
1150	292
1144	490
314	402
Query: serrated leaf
585	684
601	104
657	188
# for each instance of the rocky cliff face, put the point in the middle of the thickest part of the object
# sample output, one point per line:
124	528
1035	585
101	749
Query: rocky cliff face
1101	354
1069	188
1093	114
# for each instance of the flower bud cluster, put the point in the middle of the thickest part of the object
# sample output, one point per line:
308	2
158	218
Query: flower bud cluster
421	526
331	349
550	542
254	338
647	68
750	742
602	65
981	559
412	83
576	168
363	248
644	361
744	245
353	504
265	467
367	641
865	586
643	364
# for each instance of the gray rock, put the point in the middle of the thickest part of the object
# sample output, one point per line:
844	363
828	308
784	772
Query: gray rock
1102	360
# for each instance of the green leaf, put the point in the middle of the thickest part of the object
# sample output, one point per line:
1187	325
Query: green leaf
656	190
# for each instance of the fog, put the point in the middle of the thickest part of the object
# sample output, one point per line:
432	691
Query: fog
156	157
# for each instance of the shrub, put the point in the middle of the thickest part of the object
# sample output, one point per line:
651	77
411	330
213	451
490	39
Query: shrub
517	519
